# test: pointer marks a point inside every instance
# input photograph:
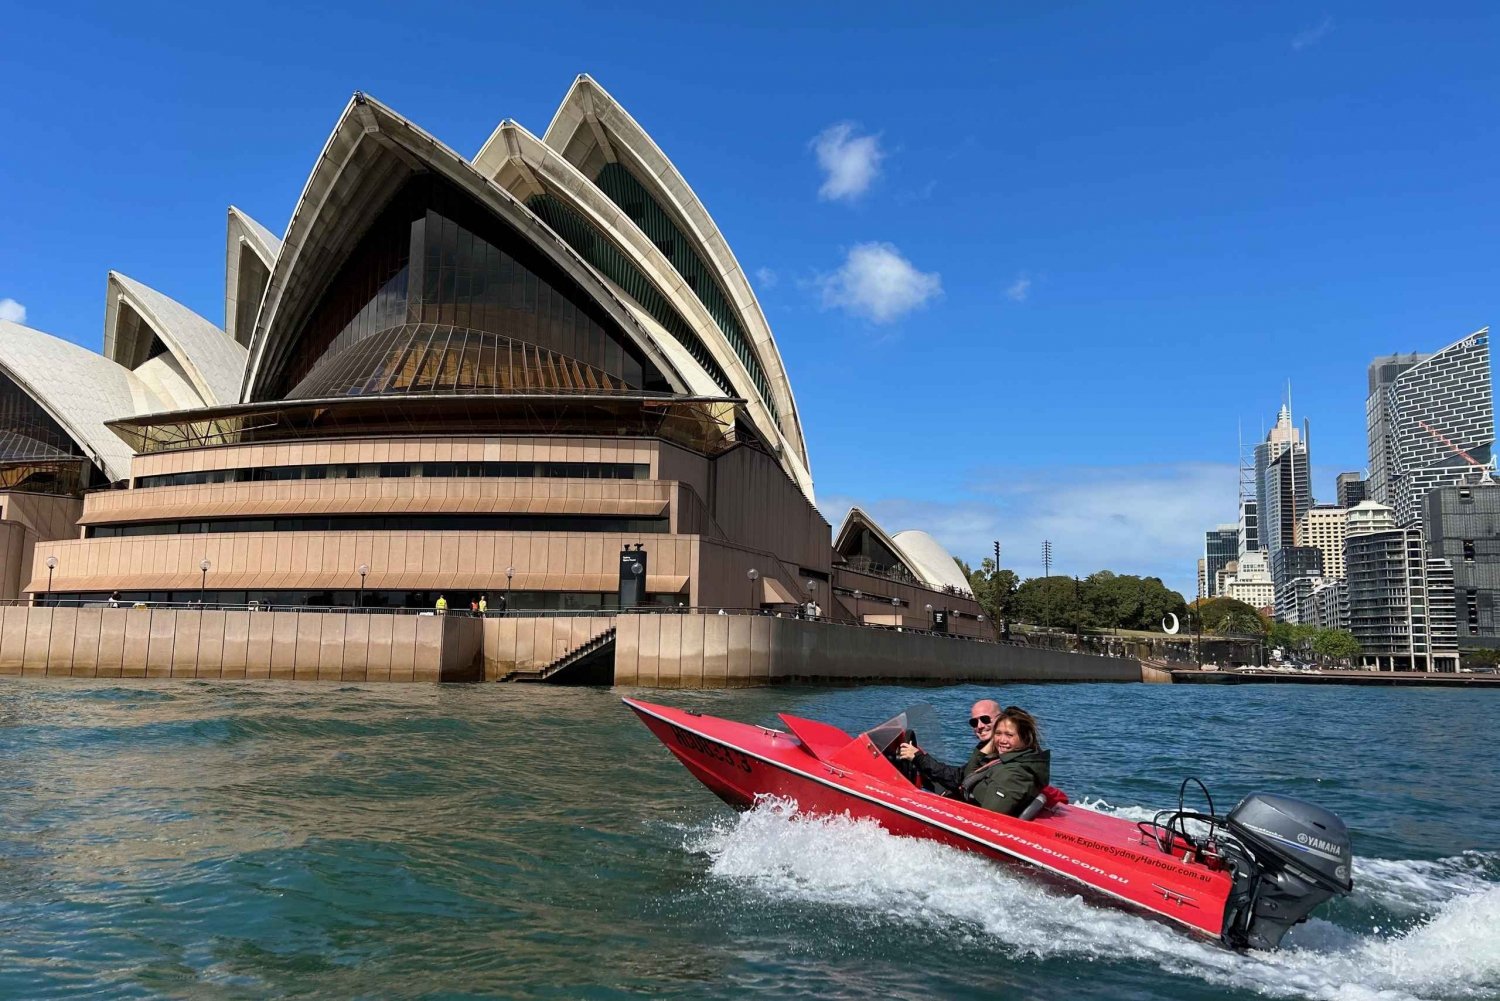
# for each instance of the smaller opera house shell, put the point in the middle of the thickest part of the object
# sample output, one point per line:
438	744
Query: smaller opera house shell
449	377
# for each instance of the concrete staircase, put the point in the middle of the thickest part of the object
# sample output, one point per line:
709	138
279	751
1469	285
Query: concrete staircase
589	663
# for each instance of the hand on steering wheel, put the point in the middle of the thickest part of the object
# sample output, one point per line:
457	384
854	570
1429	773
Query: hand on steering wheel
907	751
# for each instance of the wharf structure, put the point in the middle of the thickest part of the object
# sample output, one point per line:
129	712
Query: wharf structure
519	379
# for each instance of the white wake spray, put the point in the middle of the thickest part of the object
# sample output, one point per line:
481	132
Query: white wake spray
857	867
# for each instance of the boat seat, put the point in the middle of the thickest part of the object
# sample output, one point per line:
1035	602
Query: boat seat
1050	796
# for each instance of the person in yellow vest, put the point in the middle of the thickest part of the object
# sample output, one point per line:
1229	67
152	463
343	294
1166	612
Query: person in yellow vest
442	604
484	604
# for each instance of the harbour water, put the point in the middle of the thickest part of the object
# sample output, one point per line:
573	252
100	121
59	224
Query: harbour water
209	840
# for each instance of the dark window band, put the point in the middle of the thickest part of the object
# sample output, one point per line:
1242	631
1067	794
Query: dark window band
397	470
387	523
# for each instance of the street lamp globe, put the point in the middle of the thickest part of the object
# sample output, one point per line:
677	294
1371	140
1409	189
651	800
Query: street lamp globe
205	566
52	563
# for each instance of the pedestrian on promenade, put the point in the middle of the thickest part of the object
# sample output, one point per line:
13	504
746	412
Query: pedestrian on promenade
484	605
442	604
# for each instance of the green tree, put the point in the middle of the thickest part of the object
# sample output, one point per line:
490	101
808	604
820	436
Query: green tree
1335	644
1229	617
1123	601
994	589
1052	601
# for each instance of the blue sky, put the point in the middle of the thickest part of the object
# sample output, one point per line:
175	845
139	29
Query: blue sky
1042	263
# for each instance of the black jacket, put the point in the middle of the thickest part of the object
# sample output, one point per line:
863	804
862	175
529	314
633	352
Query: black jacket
949	778
1010	782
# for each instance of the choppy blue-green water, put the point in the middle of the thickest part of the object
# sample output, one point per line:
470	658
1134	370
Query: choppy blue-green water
202	840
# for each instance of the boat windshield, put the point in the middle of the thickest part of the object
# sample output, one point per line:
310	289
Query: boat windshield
918	718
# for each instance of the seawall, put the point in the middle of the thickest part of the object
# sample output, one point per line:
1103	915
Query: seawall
652	650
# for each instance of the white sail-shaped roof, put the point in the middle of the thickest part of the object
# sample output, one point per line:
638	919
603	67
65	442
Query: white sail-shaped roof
522	164
249	255
140	324
592	130
922	555
929	560
371	153
78	389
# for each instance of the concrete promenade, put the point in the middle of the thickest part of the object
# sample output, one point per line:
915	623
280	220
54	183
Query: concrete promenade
690	650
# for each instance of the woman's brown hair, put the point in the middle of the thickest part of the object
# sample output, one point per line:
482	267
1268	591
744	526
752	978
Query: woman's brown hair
1025	724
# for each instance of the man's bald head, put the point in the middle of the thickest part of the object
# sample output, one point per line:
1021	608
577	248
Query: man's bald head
989	711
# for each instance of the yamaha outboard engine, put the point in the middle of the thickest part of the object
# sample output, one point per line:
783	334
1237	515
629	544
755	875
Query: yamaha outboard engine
1287	857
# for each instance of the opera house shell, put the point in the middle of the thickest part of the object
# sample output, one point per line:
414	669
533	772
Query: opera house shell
453	377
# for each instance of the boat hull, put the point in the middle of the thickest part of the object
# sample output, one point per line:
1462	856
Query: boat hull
829	773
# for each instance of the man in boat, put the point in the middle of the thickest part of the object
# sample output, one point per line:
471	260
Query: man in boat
949	779
1019	770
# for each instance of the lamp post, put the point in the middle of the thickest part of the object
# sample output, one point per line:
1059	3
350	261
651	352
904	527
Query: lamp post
1078	609
51	566
752	575
812	598
896	612
359	602
928	606
205	566
857	617
509	573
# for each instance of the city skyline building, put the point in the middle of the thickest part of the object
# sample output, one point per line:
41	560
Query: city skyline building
1431	422
1221	546
1323	526
1251	582
1400	602
1462	526
1249	528
1350	489
1282	482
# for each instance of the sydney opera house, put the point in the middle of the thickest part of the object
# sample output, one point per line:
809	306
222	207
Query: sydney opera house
519	376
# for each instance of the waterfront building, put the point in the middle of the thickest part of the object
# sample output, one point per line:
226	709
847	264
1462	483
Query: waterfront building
1431	423
450	377
1462	526
1327	606
1400	602
1249	529
1292	567
1323	527
1221	546
1350	488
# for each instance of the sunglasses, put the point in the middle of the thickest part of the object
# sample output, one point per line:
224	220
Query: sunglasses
975	722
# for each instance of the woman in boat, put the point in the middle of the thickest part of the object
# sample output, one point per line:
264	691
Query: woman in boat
1020	770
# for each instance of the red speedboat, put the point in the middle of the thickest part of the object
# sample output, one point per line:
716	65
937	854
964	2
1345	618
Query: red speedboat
1243	879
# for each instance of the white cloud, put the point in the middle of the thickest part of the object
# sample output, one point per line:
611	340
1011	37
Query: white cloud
850	161
765	277
1018	290
1312	36
1144	520
12	311
876	282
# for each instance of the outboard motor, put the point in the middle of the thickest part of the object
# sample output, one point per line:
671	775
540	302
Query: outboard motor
1287	857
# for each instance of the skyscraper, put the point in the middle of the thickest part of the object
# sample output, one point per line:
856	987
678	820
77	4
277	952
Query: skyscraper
1460	527
1249	526
1221	546
1351	489
1431	422
1283	486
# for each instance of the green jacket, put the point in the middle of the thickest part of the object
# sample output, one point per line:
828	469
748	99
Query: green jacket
1011	781
949	778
